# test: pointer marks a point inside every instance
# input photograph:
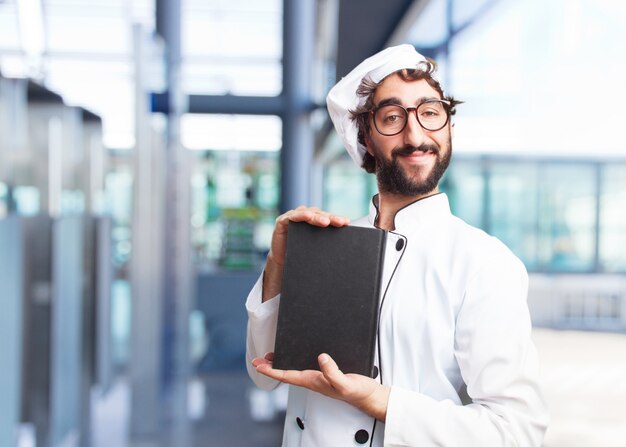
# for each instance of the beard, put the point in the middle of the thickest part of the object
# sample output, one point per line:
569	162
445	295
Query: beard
392	178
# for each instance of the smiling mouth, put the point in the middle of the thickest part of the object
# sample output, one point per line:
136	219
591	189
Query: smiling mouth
416	151
417	155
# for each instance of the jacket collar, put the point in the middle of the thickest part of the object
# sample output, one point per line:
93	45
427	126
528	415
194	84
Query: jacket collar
428	210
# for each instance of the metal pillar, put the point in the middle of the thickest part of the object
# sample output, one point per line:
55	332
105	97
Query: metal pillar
177	266
145	361
297	151
68	387
11	346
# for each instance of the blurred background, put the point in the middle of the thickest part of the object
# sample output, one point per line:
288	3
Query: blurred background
147	146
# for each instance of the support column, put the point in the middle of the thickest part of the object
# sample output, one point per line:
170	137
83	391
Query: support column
11	340
298	56
177	270
145	268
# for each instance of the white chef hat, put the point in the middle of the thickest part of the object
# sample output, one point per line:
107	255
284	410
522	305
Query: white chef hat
342	98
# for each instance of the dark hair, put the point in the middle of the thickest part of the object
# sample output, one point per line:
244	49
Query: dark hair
367	89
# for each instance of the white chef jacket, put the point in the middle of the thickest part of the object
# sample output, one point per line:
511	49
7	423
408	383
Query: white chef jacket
455	344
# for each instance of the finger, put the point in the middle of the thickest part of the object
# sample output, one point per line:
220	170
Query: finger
313	216
310	216
259	361
333	219
339	221
297	215
331	372
269	356
291	377
308	379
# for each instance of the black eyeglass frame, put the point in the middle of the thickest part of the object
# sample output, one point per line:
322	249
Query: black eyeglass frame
407	110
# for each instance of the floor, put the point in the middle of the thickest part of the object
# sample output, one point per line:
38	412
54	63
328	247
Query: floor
228	420
225	418
583	377
584	383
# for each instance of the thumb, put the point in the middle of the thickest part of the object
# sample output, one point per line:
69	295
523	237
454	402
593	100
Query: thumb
331	371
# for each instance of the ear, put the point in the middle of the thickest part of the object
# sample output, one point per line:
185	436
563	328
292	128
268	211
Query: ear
452	131
368	144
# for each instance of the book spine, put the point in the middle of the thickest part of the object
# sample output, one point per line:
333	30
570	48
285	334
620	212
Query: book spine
377	292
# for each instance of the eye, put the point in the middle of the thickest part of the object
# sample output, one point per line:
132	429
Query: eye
433	110
392	118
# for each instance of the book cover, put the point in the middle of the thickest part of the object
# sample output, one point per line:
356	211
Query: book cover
330	297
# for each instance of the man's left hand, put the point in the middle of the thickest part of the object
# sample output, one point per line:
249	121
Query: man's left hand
360	391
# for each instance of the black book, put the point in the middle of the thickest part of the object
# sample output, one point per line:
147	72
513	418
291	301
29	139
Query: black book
330	297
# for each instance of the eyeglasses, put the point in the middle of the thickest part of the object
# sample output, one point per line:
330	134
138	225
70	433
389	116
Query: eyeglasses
391	119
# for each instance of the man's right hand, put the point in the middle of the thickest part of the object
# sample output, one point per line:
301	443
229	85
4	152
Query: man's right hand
273	274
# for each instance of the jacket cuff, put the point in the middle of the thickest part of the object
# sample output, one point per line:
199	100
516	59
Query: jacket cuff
256	308
402	407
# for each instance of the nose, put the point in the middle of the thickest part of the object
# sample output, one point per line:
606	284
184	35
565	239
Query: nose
414	134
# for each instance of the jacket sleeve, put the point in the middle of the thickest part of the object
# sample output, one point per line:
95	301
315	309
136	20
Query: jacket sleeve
262	318
498	363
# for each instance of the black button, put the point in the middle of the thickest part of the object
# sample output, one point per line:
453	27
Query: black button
375	372
300	423
399	244
362	436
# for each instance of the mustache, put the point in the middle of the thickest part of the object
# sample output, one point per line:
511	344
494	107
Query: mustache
408	150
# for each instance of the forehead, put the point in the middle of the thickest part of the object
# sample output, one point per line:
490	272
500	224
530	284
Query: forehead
408	92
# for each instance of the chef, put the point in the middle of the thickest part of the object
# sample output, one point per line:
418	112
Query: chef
455	362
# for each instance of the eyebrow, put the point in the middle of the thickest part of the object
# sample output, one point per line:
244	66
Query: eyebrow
396	101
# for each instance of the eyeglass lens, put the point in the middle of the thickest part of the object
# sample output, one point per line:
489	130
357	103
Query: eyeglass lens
391	119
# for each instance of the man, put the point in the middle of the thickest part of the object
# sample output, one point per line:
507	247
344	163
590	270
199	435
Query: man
456	363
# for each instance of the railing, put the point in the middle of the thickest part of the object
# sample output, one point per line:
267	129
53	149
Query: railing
584	302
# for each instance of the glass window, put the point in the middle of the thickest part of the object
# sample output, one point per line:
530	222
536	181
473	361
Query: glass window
4	200
69	32
104	88
218	57
234	206
567	217
119	203
27	200
9	31
464	184
513	207
228	132
544	212
347	189
613	219
520	85
88	57
216	76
